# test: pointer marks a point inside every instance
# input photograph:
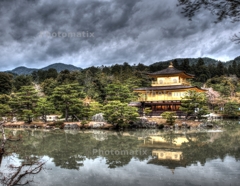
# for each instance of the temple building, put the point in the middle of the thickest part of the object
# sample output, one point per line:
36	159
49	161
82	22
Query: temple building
167	89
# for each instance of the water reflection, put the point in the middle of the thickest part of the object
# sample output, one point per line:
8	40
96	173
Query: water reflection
174	150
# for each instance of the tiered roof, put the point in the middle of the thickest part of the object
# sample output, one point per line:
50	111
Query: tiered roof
171	71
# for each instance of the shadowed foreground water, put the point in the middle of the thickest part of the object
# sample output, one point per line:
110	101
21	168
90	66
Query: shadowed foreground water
142	157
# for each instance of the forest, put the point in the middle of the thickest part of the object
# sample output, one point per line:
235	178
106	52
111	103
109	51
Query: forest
108	89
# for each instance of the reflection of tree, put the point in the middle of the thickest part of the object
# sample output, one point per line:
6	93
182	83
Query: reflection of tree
69	151
143	133
200	146
197	148
232	137
212	145
170	137
118	144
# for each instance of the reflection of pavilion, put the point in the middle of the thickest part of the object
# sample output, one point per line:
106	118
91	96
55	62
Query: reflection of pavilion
166	150
162	140
166	154
169	163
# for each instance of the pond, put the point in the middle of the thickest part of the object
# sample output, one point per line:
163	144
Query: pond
140	157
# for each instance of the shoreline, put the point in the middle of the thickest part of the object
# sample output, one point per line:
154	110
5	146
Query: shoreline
157	123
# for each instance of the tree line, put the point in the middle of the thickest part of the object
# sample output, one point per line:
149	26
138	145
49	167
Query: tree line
81	94
77	94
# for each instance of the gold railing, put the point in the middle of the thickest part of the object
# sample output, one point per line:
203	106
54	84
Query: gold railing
156	83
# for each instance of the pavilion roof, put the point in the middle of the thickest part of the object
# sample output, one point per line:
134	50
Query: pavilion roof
169	71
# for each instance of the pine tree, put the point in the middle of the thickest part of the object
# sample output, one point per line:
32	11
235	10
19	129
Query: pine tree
185	66
220	69
24	102
194	103
68	99
175	64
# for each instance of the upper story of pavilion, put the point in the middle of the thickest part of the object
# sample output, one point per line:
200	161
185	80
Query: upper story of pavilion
170	77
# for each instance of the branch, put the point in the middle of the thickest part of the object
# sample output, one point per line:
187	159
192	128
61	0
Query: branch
221	8
235	38
4	139
15	178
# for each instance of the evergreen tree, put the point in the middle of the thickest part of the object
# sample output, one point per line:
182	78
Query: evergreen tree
119	92
4	106
234	67
231	108
44	107
200	62
6	83
68	99
194	103
202	72
92	108
22	80
169	116
51	73
212	70
119	114
220	69
230	70
175	64
141	67
185	65
24	102
48	86
238	70
67	77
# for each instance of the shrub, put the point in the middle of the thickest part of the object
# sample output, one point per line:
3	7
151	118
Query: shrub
169	116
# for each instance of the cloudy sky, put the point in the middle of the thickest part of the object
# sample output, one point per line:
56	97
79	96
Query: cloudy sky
36	33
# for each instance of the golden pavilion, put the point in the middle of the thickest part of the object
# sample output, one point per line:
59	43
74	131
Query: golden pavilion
167	89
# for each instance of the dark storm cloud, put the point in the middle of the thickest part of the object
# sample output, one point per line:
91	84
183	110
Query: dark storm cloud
124	30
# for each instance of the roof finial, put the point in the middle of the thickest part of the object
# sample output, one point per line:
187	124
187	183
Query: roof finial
171	64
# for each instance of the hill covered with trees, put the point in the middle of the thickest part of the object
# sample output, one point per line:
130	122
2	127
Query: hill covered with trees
57	66
81	94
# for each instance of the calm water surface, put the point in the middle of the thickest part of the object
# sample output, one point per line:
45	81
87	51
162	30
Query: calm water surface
142	157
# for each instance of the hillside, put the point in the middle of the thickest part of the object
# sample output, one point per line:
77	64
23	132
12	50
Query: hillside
58	66
22	70
61	66
237	59
192	61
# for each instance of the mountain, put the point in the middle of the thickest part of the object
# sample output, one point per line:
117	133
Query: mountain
61	66
237	59
22	70
58	66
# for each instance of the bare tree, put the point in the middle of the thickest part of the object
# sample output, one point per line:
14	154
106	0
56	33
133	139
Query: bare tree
18	175
236	38
222	9
4	139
